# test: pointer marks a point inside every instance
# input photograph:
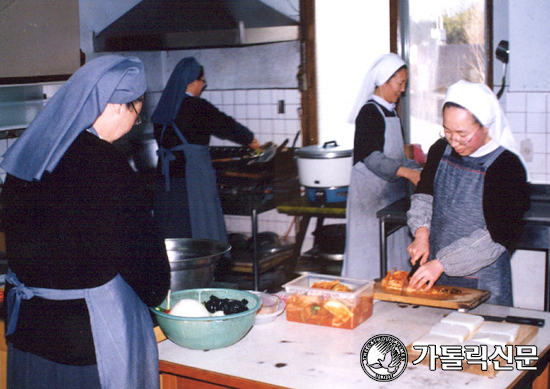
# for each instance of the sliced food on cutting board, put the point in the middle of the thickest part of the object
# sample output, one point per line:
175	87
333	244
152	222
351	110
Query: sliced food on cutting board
466	329
395	281
390	288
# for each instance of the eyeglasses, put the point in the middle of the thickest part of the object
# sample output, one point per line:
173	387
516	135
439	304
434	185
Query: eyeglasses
138	119
462	141
204	85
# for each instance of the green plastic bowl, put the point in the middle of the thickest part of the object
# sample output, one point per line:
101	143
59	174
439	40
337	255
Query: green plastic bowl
208	333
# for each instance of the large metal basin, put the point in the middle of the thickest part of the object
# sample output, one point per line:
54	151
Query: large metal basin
193	261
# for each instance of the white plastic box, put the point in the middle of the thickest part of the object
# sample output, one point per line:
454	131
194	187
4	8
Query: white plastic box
305	304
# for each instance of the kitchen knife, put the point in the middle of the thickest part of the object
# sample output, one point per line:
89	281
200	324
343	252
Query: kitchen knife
413	270
532	321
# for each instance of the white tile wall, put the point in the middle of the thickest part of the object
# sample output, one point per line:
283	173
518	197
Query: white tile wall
529	117
258	110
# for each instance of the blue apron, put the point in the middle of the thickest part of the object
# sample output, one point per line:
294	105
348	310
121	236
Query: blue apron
122	328
203	201
458	211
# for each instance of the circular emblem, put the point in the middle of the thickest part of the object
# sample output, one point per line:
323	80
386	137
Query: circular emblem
384	358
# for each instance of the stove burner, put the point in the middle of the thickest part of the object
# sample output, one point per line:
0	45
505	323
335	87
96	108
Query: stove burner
244	187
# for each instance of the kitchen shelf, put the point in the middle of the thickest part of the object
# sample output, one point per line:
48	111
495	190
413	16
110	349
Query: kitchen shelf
19	105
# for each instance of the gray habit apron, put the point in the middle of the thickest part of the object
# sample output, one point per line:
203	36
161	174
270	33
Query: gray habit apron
367	194
122	328
458	212
205	210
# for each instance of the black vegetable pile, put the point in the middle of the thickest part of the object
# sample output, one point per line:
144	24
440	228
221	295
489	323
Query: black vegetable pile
228	306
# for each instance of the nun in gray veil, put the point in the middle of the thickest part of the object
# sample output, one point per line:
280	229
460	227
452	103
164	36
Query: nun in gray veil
85	257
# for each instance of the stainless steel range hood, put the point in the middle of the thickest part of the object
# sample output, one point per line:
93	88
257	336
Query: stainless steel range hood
190	24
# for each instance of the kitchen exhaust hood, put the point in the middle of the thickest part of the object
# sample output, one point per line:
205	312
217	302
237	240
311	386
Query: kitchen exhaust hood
193	24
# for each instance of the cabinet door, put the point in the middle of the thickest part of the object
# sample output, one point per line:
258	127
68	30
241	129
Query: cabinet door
40	40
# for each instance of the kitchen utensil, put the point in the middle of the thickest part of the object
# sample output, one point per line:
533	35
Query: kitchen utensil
407	280
263	155
193	261
283	145
532	321
325	171
212	332
503	54
266	155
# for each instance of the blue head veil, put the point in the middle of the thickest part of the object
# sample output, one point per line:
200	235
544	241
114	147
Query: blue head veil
73	109
185	72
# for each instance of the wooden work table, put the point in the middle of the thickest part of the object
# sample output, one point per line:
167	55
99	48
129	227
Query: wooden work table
284	354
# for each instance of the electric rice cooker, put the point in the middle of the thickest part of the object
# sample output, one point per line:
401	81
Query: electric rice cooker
325	171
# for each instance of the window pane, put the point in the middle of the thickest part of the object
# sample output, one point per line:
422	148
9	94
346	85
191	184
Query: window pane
447	43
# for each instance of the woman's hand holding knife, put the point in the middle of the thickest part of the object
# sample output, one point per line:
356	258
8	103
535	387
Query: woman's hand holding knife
419	250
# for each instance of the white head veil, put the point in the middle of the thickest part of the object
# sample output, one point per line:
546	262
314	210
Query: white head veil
380	71
480	100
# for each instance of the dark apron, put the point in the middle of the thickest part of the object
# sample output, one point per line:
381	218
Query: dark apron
121	324
458	212
203	210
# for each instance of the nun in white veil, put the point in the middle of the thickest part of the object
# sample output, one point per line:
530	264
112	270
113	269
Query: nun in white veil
466	213
381	172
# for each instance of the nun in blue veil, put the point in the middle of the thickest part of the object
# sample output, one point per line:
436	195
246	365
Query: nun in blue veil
85	256
187	203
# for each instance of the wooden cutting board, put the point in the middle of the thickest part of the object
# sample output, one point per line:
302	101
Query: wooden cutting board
526	334
467	299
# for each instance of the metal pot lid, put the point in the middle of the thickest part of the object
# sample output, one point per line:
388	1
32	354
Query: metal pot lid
328	150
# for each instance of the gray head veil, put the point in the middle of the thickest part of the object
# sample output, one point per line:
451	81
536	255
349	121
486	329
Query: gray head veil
72	110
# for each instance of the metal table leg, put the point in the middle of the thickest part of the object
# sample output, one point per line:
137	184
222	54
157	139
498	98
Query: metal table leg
255	260
299	241
547	282
383	250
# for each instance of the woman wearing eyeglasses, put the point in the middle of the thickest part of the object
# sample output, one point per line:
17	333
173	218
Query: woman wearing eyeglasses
187	203
85	256
467	209
381	172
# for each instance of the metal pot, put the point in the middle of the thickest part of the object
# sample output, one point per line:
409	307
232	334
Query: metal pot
144	152
325	170
193	261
